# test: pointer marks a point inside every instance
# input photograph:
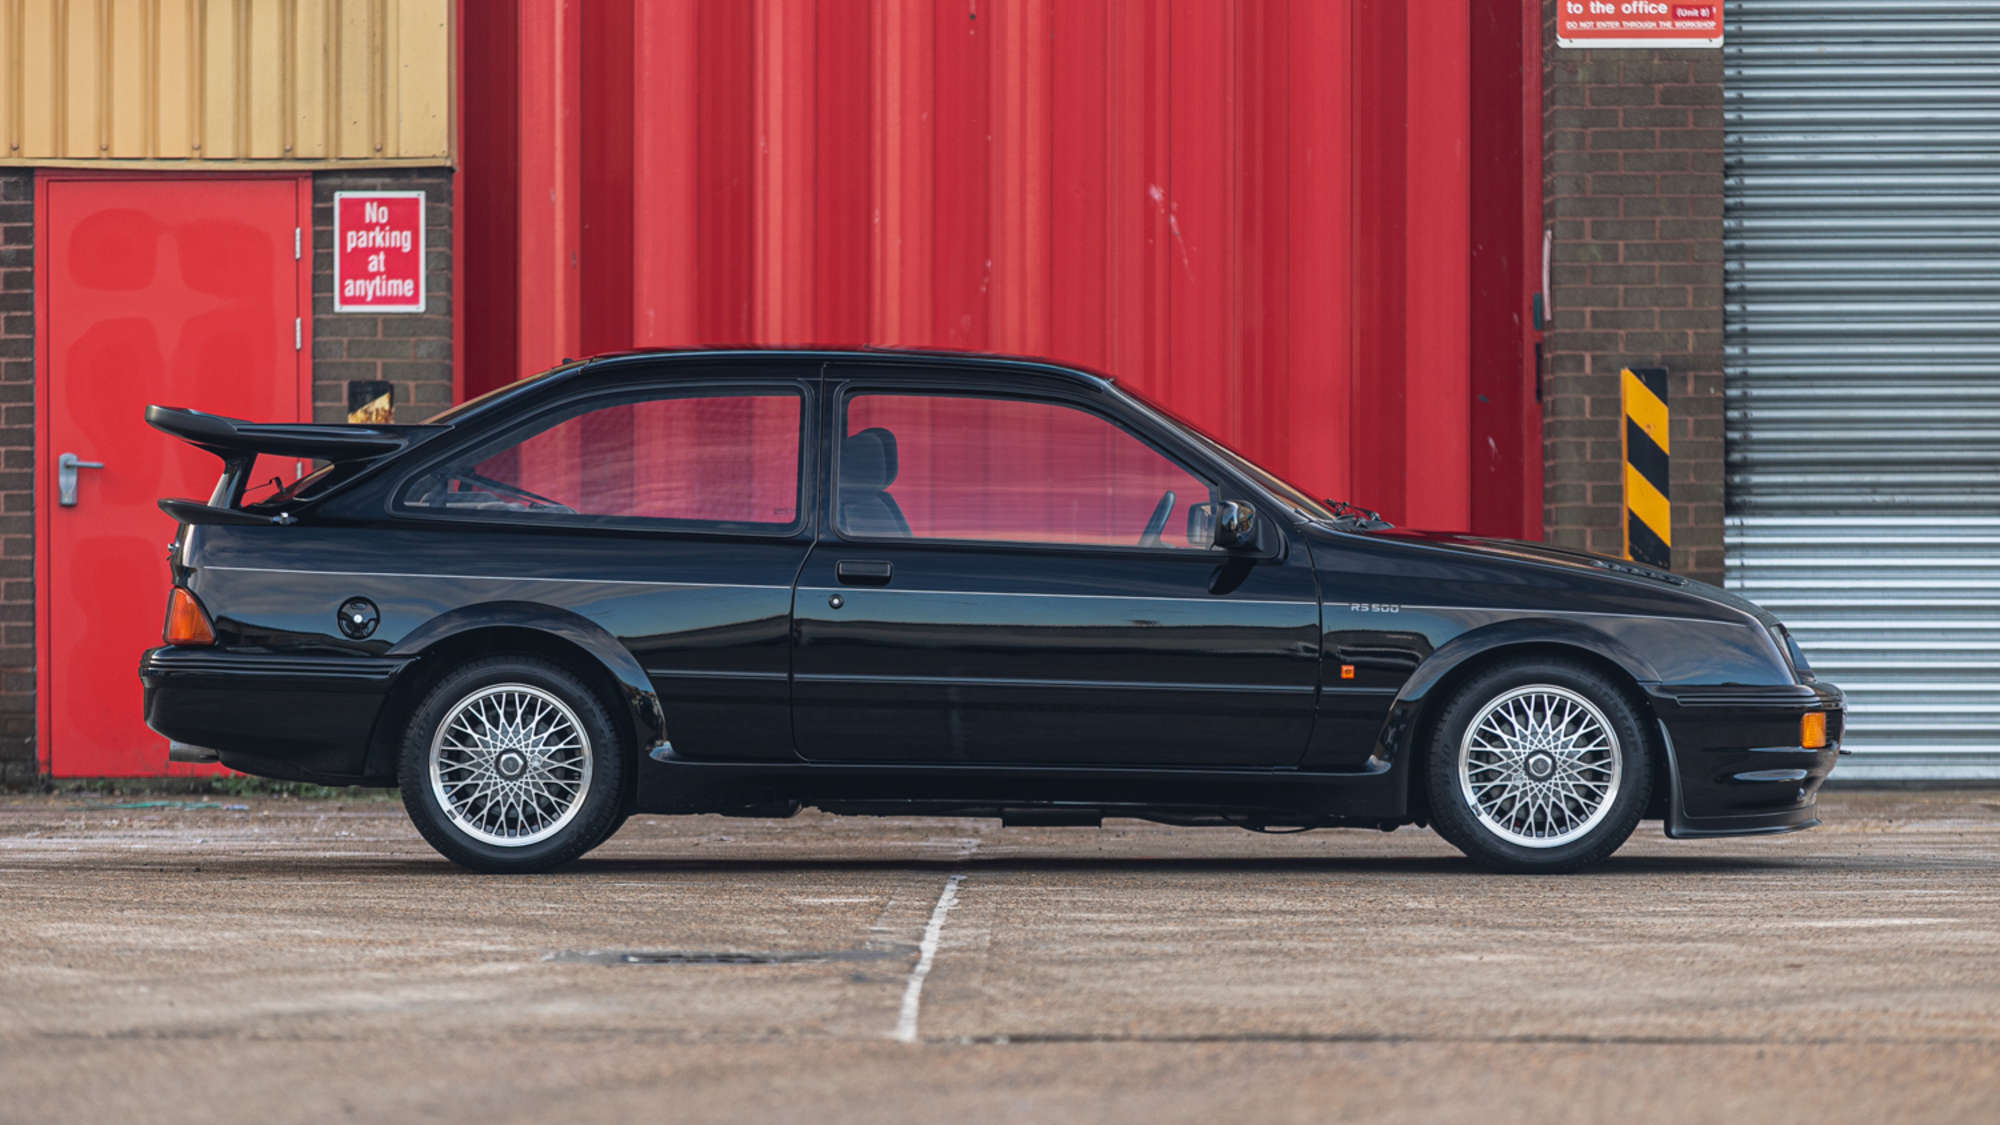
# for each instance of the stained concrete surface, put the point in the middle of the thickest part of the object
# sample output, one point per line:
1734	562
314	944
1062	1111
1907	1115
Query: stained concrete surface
314	960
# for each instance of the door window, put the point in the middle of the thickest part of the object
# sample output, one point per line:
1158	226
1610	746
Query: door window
1007	470
717	460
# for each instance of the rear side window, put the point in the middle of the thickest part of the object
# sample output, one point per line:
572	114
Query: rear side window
716	460
997	469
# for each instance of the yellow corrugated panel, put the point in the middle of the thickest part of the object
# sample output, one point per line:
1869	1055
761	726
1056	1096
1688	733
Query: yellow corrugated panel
225	82
268	87
128	67
177	100
421	93
310	68
80	53
33	125
11	78
358	79
220	69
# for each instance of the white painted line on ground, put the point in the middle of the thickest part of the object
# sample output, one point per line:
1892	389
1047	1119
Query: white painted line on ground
913	992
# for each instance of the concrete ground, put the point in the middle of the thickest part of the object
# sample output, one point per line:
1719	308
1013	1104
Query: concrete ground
307	960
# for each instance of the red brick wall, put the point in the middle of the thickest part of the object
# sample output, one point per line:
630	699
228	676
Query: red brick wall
17	476
1632	179
410	350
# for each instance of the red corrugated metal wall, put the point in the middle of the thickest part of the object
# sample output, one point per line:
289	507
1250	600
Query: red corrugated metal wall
1260	212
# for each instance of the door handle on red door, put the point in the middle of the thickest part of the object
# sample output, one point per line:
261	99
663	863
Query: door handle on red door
863	572
66	467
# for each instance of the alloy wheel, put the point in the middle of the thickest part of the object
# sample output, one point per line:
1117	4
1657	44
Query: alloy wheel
1539	766
510	765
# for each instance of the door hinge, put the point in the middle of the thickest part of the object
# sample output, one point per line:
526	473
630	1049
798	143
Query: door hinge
298	334
298	244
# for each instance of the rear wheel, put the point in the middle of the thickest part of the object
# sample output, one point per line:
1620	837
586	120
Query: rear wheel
512	764
1539	766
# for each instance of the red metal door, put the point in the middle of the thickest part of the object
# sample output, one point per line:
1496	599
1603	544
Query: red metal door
181	291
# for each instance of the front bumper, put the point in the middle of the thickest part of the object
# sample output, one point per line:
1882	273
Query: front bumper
1733	760
297	718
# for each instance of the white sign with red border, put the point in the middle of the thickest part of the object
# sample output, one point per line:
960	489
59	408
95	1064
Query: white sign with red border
378	251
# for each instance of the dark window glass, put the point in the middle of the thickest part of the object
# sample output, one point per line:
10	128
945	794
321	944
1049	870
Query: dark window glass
715	459
1000	469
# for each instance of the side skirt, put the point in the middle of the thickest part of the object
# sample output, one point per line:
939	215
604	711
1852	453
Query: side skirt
669	783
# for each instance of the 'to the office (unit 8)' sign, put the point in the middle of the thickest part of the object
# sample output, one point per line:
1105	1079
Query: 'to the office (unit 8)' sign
378	251
1638	23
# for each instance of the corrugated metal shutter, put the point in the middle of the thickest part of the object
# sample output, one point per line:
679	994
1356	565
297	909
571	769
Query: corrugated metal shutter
1863	359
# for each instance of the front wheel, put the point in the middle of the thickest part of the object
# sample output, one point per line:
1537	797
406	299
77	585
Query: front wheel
1539	767
513	765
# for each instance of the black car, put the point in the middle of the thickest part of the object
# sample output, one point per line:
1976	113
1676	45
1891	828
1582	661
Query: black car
891	583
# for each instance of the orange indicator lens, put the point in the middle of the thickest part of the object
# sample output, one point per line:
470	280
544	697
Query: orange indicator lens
1812	730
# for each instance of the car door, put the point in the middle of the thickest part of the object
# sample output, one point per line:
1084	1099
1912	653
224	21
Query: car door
980	591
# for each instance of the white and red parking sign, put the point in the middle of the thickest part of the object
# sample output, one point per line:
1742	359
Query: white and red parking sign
1639	23
378	251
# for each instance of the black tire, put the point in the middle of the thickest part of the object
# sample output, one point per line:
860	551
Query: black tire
610	830
1583	832
571	826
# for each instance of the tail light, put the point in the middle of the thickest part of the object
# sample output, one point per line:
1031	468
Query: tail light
187	624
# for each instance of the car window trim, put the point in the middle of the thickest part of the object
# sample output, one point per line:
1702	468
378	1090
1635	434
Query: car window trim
803	387
846	385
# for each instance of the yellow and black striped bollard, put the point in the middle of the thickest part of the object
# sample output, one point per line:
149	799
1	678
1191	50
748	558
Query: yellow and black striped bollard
1649	533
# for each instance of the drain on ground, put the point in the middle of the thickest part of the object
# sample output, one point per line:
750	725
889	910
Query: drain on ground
720	957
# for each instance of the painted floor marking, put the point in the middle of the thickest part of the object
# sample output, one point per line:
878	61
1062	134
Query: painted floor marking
913	992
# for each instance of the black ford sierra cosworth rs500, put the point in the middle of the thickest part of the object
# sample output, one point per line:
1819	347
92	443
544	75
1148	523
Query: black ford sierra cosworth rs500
896	583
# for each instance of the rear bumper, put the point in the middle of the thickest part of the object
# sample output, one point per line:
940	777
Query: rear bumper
298	718
1734	763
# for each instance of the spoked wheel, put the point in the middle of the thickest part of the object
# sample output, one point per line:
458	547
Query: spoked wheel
1539	767
512	765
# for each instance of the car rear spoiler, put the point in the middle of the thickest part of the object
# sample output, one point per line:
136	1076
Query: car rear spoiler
239	443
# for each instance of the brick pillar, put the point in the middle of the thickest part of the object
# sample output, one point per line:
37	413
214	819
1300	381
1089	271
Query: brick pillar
1632	188
412	351
17	476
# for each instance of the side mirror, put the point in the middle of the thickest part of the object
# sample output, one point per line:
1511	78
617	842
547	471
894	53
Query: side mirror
1201	525
1231	525
1235	525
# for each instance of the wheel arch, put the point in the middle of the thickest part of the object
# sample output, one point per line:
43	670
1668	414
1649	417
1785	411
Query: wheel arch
567	639
1413	716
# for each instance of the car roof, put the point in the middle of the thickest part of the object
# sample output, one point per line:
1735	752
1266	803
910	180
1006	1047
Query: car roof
891	356
604	369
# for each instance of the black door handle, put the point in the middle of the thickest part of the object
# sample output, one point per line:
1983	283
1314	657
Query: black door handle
863	572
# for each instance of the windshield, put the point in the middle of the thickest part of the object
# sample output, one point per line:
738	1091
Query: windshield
1277	486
